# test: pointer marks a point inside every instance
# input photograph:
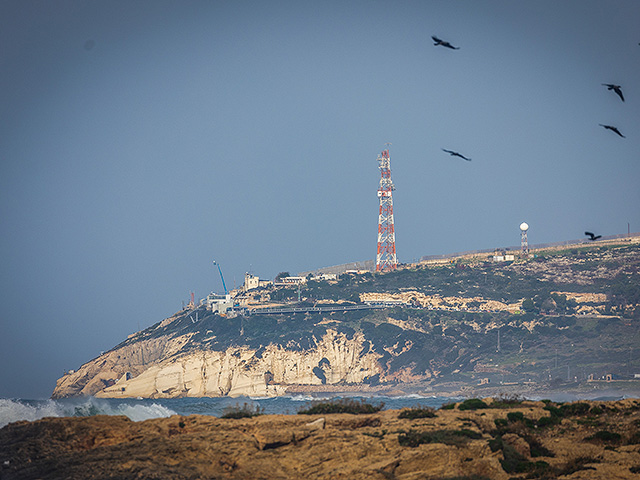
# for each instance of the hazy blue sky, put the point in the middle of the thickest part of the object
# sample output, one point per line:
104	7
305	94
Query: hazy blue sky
140	140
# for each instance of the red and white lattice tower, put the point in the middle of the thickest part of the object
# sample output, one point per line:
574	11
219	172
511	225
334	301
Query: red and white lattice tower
386	258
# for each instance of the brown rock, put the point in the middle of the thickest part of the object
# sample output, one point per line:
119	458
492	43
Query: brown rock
298	447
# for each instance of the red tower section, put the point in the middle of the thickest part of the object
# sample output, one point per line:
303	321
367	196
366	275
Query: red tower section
386	257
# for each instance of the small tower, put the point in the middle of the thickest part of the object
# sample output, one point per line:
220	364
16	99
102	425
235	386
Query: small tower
386	257
524	243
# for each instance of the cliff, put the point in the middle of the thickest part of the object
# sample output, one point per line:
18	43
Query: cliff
478	440
175	365
530	322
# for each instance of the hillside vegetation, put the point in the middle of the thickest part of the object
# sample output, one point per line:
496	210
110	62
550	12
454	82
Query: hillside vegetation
561	319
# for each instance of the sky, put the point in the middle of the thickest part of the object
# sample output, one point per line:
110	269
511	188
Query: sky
141	140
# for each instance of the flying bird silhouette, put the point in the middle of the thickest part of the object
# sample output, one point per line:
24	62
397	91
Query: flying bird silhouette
615	88
456	154
593	237
613	129
443	43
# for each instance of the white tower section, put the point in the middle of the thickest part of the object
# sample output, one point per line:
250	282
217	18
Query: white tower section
524	243
386	257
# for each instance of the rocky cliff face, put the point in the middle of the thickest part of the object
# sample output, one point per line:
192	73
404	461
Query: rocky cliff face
244	371
176	366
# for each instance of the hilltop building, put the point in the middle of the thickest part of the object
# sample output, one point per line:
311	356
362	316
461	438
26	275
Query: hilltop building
219	303
288	281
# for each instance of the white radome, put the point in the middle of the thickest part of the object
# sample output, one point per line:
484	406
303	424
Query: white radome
524	227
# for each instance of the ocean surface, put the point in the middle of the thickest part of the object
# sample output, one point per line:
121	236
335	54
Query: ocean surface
13	410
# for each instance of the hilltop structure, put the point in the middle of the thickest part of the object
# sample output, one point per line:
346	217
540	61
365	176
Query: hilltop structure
386	258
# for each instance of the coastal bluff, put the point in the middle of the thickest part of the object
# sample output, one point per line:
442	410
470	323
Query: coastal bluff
180	364
560	320
489	439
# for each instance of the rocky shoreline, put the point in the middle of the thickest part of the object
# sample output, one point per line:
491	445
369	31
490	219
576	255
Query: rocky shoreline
490	439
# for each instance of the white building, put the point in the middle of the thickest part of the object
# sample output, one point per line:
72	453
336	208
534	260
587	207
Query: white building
291	281
250	282
326	276
219	303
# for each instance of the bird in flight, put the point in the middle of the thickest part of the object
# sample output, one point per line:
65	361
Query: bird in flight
443	43
613	129
456	154
593	237
615	88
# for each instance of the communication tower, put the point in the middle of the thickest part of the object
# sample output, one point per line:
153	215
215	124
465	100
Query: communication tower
524	243
386	258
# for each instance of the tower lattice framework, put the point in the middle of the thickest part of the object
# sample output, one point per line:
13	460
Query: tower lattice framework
524	242
386	258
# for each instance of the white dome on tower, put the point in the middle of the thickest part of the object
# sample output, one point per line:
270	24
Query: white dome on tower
524	227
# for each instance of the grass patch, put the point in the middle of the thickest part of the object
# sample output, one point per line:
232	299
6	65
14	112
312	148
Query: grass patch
341	405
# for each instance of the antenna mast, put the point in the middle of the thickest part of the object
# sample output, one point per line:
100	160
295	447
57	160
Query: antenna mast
221	277
386	257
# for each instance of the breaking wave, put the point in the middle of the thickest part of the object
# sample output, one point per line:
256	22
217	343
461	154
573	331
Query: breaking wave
30	410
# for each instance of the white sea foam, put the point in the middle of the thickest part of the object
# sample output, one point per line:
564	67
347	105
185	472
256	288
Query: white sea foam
30	410
13	411
308	398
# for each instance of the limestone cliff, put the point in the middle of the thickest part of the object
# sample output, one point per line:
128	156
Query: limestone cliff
175	365
239	371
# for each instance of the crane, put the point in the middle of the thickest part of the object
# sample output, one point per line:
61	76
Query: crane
220	270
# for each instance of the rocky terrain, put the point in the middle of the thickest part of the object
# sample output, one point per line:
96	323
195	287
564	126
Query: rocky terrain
556	319
506	438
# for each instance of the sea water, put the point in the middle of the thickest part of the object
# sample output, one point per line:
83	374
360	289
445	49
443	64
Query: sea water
13	410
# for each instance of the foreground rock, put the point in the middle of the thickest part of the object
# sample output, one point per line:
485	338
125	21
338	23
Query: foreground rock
487	443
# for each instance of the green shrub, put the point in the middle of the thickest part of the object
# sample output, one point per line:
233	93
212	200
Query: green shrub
515	416
501	422
606	436
573	409
577	464
467	477
537	449
448	406
341	405
634	439
244	411
553	410
417	412
596	410
448	437
506	401
513	462
472	404
548	421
